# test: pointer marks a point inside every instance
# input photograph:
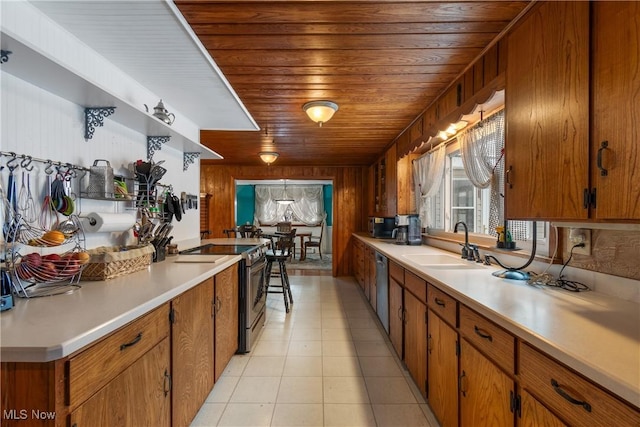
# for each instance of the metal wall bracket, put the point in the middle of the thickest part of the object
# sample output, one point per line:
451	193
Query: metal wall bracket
94	117
154	143
4	56
189	159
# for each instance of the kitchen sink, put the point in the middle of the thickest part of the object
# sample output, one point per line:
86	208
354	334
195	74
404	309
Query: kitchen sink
443	262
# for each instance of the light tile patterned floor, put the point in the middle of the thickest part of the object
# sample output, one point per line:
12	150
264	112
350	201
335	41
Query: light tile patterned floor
326	363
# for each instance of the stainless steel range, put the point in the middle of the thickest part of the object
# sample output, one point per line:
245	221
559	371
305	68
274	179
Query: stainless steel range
252	298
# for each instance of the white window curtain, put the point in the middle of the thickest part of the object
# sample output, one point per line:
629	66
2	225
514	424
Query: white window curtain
307	208
427	172
481	149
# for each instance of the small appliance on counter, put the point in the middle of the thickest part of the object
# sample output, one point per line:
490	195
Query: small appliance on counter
415	230
381	227
401	232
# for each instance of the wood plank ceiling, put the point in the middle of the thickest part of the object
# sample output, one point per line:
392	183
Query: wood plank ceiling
382	62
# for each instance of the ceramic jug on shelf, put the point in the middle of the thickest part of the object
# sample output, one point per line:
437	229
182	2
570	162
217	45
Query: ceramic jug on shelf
161	113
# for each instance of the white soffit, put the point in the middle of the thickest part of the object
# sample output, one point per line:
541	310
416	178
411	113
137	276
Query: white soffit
150	41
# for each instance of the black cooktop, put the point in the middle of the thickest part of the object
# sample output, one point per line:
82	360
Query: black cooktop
212	249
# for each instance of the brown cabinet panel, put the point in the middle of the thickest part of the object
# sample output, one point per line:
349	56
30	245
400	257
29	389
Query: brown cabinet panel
226	317
416	285
492	340
373	285
94	367
192	351
443	304
490	65
580	402
139	396
396	271
396	316
615	89
415	340
547	105
442	362
534	414
485	390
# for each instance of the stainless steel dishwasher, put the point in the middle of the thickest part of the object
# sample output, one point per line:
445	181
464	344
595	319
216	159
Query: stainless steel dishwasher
382	289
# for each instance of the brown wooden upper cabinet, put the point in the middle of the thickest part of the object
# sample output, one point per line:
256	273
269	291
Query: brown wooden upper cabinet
384	176
563	162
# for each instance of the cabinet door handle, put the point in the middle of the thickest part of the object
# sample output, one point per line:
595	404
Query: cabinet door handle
429	343
218	304
569	398
507	177
167	383
134	341
603	146
400	313
482	333
439	302
462	384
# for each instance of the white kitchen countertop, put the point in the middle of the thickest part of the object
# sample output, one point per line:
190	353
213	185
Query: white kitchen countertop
49	328
595	334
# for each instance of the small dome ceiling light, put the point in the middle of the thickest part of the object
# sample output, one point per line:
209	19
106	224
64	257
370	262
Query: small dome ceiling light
320	111
268	156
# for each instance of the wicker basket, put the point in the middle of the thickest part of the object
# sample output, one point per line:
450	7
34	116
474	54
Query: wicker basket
110	262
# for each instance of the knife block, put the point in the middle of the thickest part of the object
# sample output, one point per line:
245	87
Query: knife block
160	254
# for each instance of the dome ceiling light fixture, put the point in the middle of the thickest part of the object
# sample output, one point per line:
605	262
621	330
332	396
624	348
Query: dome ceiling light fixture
320	111
268	156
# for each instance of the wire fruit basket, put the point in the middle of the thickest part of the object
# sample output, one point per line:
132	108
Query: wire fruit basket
45	262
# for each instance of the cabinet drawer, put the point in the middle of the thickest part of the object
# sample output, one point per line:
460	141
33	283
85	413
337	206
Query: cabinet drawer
495	342
94	367
397	272
416	286
579	401
442	304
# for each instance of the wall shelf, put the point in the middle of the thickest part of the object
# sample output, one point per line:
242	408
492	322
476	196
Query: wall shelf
37	68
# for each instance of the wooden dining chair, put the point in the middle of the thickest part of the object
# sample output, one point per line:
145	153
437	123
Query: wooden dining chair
315	241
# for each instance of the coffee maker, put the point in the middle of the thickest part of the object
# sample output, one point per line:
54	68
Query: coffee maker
414	230
401	232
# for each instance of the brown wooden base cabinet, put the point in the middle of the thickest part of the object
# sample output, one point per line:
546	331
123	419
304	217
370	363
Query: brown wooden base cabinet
192	351
139	396
226	318
485	391
442	343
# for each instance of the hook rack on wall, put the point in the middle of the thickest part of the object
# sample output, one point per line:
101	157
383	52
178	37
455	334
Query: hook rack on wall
26	161
94	117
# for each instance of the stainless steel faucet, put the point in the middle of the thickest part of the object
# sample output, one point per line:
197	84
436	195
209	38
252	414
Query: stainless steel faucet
467	252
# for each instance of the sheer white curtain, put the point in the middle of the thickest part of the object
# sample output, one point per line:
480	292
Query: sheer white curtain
481	151
307	208
427	172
